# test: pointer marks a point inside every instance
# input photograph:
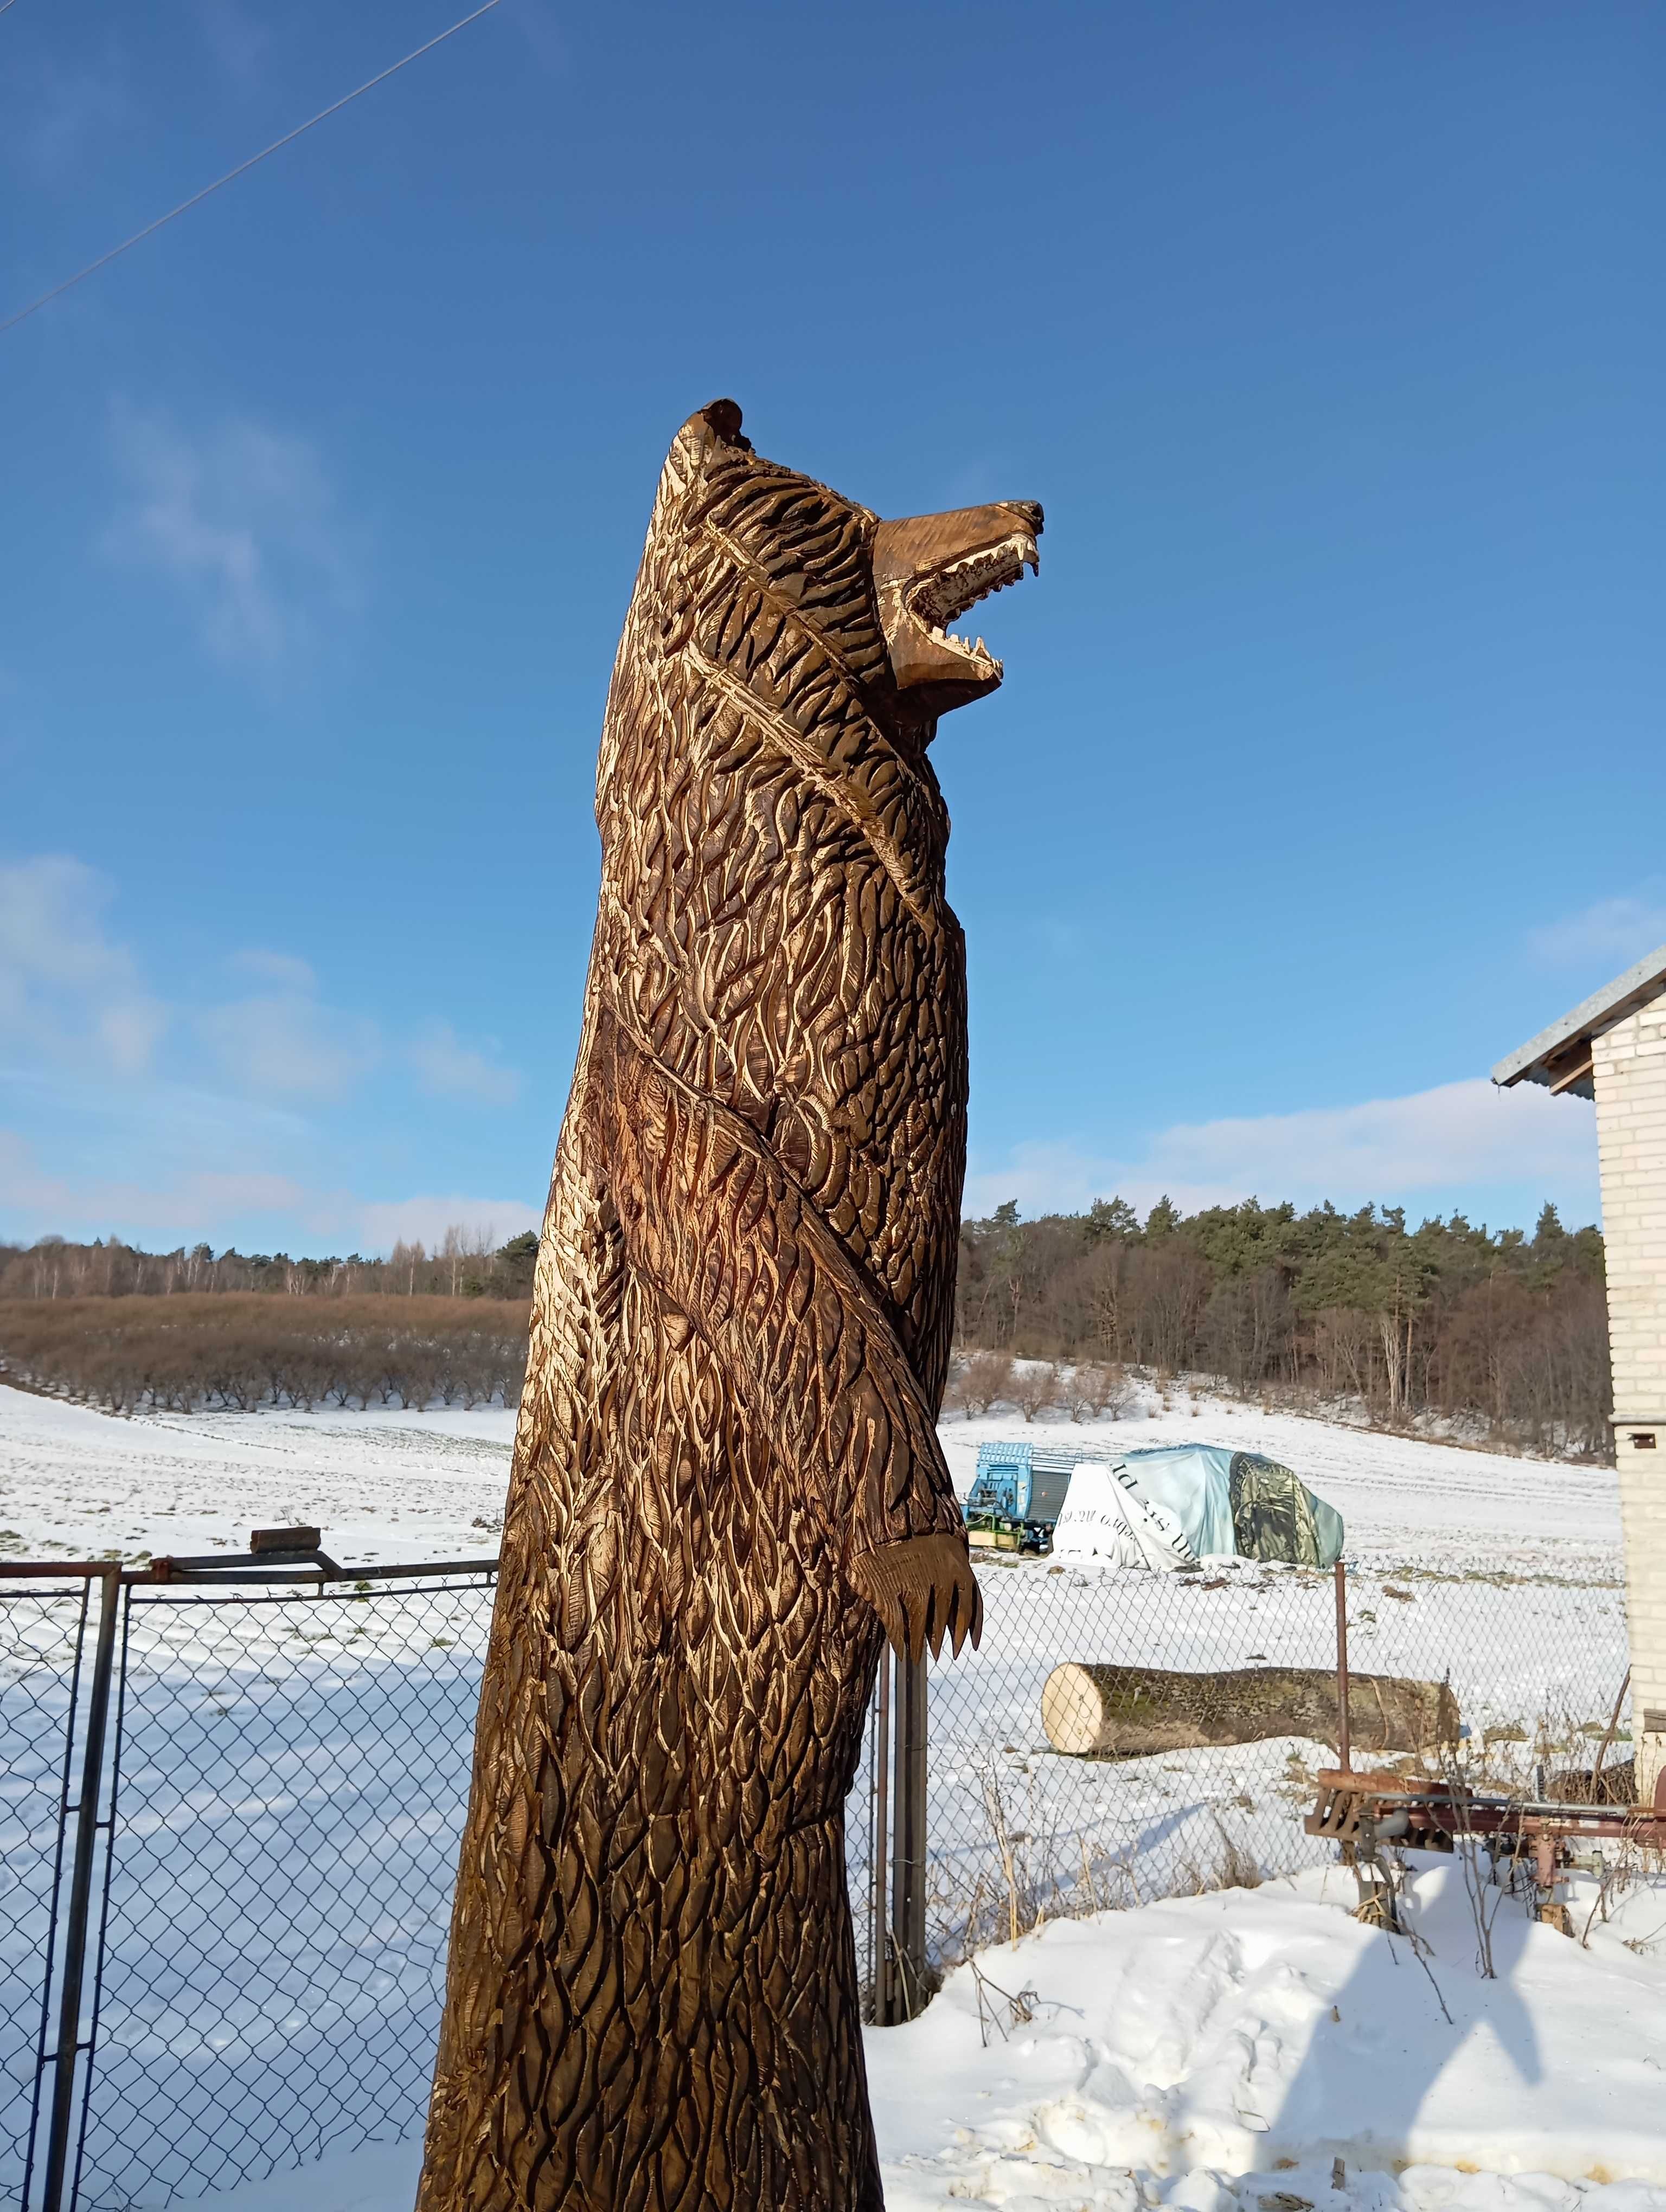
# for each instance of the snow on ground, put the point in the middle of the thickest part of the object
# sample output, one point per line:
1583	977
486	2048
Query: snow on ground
1265	2034
1502	1574
1255	2051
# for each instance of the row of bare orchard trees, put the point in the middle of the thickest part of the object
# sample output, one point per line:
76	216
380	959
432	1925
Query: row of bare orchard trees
466	1263
239	1350
1502	1335
1087	1389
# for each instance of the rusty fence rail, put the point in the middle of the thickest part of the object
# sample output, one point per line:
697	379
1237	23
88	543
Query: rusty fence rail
233	1792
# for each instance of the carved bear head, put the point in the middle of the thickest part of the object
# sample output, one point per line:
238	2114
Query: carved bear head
797	594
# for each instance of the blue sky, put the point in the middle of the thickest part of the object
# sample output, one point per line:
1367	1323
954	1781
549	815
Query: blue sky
1327	767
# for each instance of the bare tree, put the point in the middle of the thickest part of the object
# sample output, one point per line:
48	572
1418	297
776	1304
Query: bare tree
1345	1340
1039	1387
985	1380
1096	1388
1248	1326
1171	1286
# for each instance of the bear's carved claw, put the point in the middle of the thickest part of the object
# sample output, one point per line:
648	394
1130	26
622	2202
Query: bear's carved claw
922	1589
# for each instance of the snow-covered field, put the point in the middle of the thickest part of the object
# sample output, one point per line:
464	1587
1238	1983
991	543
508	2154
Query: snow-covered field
390	1483
1156	2032
75	1484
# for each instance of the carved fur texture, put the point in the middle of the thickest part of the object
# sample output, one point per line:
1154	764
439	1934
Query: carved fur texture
727	1456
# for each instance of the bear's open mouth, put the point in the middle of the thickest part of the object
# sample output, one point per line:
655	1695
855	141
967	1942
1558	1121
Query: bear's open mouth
943	597
928	570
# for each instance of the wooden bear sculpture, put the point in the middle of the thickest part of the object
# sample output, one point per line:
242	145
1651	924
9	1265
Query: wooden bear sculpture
727	1486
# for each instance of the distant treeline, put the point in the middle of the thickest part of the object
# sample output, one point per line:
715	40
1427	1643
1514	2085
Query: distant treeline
1501	1335
1505	1333
239	1349
464	1264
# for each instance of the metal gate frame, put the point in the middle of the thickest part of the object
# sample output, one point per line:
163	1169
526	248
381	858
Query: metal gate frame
899	1850
73	1965
60	2052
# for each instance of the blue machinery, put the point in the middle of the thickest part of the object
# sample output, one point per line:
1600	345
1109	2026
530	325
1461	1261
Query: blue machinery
1028	1482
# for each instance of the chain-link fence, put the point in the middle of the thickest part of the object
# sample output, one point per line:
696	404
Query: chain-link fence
233	1962
1121	1735
225	1876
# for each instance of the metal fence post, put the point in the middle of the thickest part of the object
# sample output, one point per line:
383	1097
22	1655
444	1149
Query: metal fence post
1343	1748
908	1893
81	1894
878	1883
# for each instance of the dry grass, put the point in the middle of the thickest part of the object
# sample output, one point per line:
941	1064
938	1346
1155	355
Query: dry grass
1023	1873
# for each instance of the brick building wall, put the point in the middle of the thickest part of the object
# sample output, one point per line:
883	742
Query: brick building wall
1628	1071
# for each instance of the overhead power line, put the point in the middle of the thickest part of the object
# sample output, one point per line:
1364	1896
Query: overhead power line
278	144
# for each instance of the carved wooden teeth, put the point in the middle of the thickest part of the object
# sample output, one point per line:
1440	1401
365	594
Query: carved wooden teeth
997	566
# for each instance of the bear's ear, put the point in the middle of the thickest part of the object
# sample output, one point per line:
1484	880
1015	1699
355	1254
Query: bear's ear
724	417
711	437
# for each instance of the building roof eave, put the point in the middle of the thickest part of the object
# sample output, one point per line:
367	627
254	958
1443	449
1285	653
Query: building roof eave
1559	1056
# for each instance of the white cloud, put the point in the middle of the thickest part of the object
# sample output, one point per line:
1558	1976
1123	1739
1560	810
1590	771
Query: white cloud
450	1069
275	1210
50	927
280	968
1611	934
286	1045
1434	1146
68	991
73	998
220	1140
129	1030
285	1041
243	521
198	1200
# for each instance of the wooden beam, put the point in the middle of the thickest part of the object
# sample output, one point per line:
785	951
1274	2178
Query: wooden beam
1574	1074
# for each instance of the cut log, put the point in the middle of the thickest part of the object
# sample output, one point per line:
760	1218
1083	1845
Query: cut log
1096	1711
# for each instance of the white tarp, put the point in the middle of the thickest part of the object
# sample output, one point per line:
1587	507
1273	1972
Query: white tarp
1169	1506
1106	1516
